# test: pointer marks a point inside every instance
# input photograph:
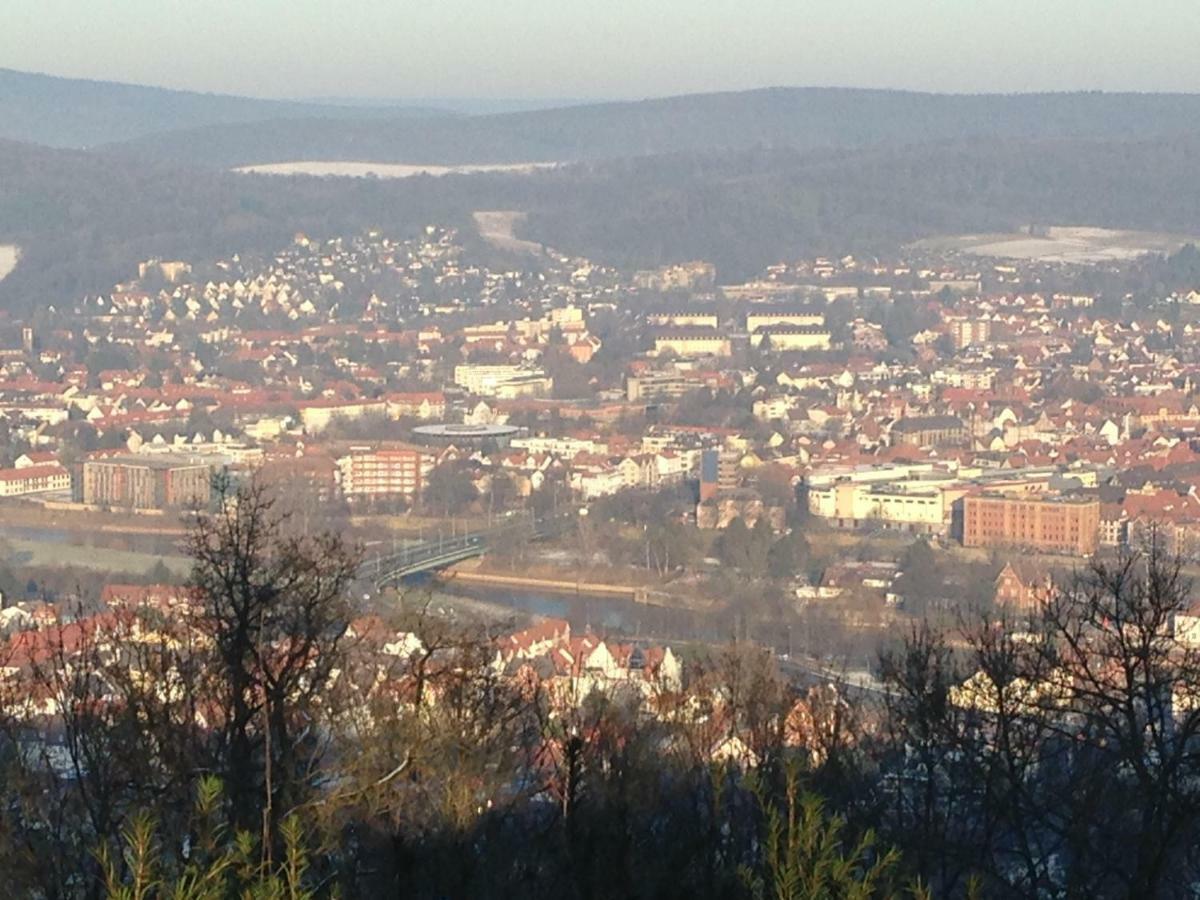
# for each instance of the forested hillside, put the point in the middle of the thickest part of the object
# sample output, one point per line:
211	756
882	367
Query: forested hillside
745	211
73	112
799	118
84	220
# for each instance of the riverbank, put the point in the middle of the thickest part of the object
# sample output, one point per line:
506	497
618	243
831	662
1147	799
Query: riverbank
598	581
550	585
39	553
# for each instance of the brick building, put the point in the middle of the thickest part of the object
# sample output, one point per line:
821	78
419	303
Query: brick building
1044	522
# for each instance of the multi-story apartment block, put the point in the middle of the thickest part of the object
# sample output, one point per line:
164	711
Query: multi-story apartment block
1053	522
965	332
375	473
139	482
693	342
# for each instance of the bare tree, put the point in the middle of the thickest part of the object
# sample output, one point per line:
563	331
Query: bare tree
274	607
1058	754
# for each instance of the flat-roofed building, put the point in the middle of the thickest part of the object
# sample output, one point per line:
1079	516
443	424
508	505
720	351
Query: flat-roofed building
657	386
318	415
502	380
370	473
139	482
966	332
917	506
1054	522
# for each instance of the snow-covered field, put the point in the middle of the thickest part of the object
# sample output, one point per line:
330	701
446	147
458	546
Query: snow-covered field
8	259
387	170
1066	243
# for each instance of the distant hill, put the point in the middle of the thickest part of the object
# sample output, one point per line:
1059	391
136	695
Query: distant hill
745	210
72	112
83	219
796	118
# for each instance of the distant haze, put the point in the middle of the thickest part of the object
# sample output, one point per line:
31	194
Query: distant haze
466	105
531	49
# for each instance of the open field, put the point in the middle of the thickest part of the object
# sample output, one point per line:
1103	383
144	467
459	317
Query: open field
387	170
8	259
1063	244
29	552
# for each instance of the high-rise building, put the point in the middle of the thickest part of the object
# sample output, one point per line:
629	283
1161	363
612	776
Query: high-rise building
718	473
965	332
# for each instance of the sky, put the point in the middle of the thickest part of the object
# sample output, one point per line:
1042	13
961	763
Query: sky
606	48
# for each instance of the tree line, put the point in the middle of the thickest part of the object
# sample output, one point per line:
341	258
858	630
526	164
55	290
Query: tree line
85	220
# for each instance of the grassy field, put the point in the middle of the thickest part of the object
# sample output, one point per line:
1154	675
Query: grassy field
28	552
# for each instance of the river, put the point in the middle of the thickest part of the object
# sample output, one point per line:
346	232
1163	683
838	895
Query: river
613	615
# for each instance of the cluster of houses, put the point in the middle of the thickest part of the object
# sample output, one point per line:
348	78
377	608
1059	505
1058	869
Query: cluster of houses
546	662
940	396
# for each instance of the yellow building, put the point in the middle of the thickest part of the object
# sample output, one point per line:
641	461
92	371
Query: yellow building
693	343
788	337
757	320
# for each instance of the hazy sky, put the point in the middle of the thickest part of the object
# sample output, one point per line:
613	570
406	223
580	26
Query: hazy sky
606	48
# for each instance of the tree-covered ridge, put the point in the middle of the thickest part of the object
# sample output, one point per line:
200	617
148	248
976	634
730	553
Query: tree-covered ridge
85	220
75	112
744	211
796	118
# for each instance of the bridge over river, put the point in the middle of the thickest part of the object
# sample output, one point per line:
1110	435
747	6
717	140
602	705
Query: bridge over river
452	546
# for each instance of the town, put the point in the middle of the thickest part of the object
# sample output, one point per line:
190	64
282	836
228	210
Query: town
603	477
982	405
710	451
